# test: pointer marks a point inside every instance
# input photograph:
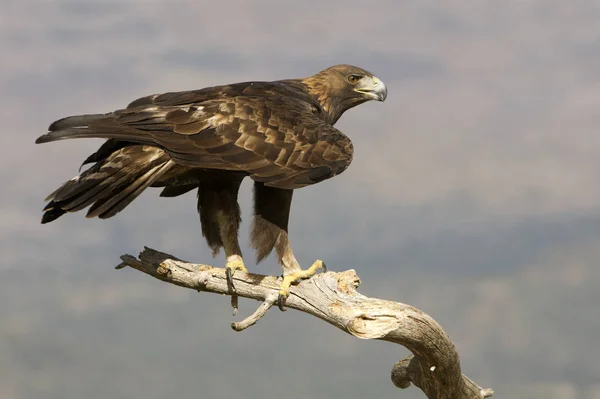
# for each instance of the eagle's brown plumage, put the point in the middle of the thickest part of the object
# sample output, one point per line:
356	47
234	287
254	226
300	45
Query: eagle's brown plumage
278	133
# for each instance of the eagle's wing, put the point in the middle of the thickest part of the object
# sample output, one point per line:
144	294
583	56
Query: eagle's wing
277	139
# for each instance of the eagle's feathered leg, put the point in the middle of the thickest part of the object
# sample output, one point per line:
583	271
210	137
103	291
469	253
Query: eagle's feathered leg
220	218
270	230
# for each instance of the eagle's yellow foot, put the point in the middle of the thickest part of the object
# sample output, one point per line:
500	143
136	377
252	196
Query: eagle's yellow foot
234	262
288	280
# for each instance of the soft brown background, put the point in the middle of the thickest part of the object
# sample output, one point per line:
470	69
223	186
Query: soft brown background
474	194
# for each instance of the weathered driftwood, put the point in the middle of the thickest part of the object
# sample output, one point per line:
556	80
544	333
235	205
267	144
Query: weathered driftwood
332	296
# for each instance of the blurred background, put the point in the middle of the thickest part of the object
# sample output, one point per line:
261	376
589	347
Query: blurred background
473	195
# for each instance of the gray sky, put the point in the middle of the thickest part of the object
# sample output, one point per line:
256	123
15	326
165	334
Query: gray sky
473	195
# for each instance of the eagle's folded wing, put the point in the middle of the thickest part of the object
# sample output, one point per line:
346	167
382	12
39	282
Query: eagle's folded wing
278	139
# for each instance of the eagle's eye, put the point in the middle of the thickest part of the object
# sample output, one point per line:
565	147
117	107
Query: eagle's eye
353	79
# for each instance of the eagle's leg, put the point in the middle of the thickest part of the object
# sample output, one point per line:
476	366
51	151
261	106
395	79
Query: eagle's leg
270	230
233	253
220	217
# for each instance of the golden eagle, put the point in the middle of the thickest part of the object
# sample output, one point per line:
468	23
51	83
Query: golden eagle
278	133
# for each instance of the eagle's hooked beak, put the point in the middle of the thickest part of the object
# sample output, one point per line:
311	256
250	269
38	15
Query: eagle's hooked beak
372	87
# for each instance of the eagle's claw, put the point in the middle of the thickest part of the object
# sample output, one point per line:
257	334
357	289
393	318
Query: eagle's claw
229	276
281	302
288	280
236	263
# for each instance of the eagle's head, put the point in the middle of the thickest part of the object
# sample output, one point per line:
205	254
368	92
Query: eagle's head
341	87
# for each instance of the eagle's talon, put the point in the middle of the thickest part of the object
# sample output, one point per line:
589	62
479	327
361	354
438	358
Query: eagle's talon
281	302
294	278
284	291
229	275
234	263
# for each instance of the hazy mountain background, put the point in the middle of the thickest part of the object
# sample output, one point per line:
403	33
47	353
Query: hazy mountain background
474	195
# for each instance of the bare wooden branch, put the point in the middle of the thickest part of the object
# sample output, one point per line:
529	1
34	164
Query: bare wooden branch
260	312
332	297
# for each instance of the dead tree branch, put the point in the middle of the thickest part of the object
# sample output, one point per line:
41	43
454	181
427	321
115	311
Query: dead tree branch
332	297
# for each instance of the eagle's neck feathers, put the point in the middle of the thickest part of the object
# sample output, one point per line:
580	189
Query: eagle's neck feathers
325	93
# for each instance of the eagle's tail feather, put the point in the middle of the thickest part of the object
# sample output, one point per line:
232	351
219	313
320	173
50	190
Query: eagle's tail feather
52	214
93	126
110	206
76	121
110	185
